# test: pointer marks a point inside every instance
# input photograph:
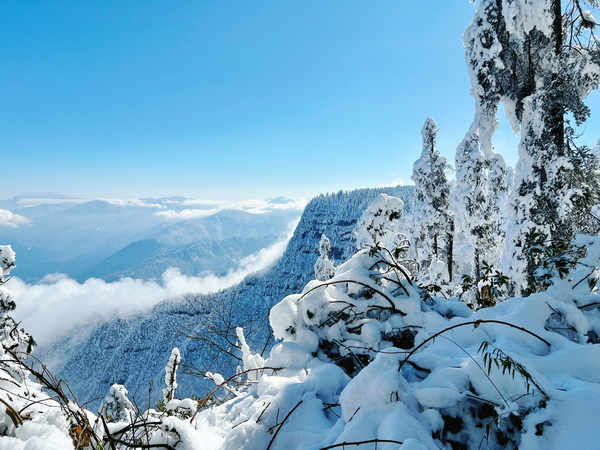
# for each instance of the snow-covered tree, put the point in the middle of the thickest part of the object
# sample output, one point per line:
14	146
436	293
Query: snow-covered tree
433	234
324	268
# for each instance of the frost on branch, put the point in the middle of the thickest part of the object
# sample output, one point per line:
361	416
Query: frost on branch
250	359
324	268
478	198
7	261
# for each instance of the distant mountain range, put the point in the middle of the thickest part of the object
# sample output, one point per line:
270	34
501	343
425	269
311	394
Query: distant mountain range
140	238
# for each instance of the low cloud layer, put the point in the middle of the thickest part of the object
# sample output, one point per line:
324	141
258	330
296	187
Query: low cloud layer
186	214
204	208
58	304
10	219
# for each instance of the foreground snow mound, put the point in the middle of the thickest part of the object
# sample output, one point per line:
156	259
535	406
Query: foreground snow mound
367	357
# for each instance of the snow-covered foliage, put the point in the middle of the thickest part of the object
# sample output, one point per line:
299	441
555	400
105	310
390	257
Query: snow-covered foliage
378	225
370	361
29	418
324	268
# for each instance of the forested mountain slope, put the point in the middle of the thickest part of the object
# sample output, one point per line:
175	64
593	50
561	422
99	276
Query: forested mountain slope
134	351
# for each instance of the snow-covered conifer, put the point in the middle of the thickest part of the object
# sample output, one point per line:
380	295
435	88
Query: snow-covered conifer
433	234
324	268
540	60
116	406
171	375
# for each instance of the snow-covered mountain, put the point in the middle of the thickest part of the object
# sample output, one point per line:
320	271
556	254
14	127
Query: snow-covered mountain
132	351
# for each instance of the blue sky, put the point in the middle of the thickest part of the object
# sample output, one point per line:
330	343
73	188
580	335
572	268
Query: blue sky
229	99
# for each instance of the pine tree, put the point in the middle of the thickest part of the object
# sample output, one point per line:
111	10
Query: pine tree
433	235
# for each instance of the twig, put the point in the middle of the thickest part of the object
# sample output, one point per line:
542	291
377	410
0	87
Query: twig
370	441
281	424
584	278
109	436
476	323
329	283
263	411
202	402
589	305
14	415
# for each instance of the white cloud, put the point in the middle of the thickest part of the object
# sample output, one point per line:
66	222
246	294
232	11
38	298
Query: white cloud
186	214
131	202
296	204
203	203
58	304
251	206
10	219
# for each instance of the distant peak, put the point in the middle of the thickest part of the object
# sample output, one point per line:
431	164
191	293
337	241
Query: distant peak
43	195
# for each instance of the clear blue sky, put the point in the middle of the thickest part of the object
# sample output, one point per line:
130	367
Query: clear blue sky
228	99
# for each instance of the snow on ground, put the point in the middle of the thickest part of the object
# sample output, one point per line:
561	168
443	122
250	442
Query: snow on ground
367	357
541	395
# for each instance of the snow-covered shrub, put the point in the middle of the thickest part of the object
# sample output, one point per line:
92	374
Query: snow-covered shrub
29	417
116	406
370	304
11	337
